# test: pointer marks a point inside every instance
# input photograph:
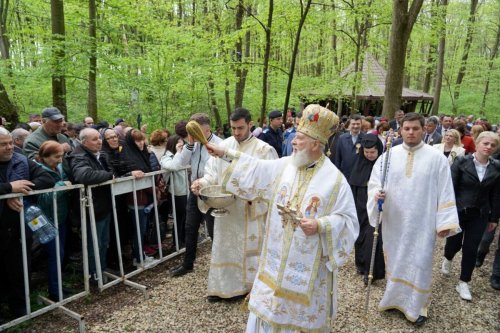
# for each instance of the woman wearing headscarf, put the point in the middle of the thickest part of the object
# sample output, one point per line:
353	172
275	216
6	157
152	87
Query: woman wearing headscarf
138	162
371	148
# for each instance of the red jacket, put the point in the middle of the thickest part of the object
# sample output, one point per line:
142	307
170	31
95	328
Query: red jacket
469	145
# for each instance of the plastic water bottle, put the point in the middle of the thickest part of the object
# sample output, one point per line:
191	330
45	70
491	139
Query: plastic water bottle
39	224
148	208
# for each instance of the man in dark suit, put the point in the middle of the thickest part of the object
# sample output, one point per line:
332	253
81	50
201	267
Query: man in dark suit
445	125
396	122
347	145
431	136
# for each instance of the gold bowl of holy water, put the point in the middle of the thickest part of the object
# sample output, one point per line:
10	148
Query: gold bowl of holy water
215	196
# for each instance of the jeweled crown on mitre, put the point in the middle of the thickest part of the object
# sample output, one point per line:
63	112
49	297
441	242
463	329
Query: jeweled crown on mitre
318	122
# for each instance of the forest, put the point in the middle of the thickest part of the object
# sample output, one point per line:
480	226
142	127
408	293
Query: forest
162	60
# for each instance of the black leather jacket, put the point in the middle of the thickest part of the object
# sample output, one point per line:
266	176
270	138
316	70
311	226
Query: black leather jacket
87	170
471	193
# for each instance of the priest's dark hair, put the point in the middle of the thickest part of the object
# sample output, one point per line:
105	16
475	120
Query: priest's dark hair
241	113
411	116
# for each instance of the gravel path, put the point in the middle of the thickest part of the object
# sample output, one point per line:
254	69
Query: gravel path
179	305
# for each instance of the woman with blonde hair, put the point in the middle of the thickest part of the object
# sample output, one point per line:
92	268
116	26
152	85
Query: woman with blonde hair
451	146
476	180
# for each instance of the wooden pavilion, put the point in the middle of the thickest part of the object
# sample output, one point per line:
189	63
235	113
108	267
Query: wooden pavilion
370	95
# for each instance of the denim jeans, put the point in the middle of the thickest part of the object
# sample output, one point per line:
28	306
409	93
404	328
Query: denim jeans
52	258
143	222
102	229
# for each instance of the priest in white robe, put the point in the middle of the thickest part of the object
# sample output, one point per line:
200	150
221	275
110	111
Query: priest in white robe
238	236
419	204
311	227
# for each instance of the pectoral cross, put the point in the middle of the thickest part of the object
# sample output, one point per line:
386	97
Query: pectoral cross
289	215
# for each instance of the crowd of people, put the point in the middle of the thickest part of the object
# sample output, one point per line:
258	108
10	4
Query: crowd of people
307	193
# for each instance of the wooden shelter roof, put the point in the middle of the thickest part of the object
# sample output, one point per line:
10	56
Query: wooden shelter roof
373	82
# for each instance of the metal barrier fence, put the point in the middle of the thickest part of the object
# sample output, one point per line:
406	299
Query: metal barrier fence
132	185
105	278
51	305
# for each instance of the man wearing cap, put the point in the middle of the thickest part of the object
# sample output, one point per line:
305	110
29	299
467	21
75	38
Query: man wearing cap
311	227
52	124
273	134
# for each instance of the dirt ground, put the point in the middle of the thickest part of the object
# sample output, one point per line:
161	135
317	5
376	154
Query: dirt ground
180	305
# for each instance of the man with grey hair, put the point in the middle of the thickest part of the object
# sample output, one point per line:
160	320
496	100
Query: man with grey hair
17	175
431	136
19	135
90	166
52	124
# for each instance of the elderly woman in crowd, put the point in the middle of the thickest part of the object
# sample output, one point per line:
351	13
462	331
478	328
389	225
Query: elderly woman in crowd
50	157
476	180
137	163
113	148
451	146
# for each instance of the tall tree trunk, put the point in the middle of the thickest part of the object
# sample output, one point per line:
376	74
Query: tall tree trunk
265	69
58	54
303	15
4	39
180	14
429	64
441	52
92	93
467	45
403	20
213	102
494	53
227	98
8	110
241	72
193	7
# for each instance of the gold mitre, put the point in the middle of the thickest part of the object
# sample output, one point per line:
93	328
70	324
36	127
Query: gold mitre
317	122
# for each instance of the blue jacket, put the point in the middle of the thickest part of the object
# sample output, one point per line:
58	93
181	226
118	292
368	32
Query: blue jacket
274	138
287	142
18	168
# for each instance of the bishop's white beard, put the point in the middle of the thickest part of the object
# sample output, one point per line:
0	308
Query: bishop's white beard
301	158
